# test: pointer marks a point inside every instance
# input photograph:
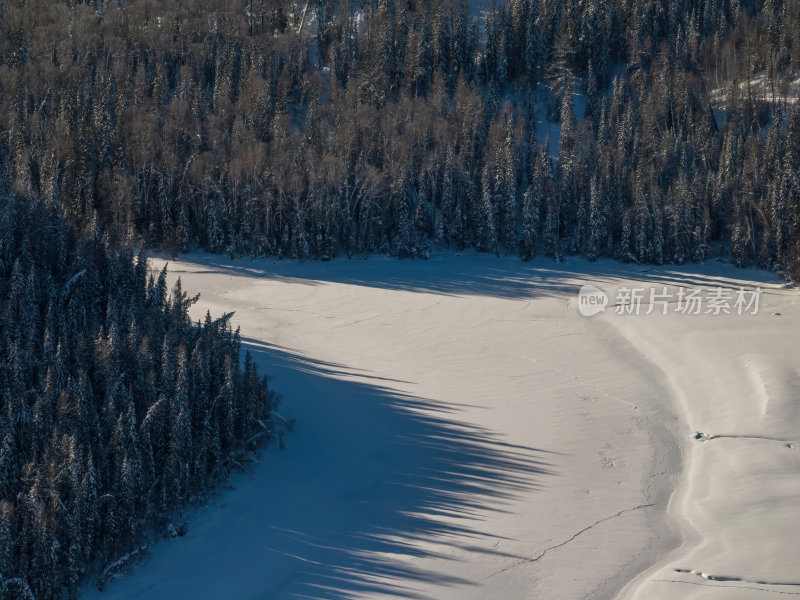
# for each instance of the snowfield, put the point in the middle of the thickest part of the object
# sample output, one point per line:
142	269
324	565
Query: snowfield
463	432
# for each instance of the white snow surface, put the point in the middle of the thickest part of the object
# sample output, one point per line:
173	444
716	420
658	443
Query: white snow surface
464	433
761	88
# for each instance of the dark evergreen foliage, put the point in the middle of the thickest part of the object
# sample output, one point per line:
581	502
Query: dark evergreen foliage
344	127
356	127
116	411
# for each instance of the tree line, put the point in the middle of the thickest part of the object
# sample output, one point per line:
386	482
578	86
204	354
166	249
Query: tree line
350	126
116	410
320	129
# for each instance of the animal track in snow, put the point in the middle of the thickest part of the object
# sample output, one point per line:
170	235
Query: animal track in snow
724	578
703	437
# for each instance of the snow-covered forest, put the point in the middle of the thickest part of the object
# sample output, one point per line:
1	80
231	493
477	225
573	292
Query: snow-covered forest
647	131
116	411
313	129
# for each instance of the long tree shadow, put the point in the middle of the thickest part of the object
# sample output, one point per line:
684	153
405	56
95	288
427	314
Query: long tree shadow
479	274
373	485
378	488
369	473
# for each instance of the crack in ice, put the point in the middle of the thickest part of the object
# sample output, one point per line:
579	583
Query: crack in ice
745	587
533	559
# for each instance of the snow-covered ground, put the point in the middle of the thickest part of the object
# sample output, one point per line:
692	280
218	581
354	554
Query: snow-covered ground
464	432
761	88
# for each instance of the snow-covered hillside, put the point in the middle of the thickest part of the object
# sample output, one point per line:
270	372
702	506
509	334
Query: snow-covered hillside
464	432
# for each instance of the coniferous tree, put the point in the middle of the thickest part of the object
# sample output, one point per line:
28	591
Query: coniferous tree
93	463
